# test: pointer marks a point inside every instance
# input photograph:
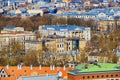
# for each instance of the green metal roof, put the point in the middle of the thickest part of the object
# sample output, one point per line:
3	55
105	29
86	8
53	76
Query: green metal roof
100	67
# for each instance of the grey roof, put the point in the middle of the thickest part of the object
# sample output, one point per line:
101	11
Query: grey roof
60	27
40	77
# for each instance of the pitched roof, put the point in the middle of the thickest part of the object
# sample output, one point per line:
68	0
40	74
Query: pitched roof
14	72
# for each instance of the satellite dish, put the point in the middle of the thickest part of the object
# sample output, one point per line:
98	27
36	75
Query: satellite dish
59	74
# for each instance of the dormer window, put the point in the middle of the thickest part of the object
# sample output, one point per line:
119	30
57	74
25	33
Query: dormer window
2	71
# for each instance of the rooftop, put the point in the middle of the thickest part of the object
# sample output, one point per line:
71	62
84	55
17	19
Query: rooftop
10	27
63	27
99	67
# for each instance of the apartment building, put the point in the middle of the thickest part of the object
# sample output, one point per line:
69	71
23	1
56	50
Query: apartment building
11	34
61	44
66	30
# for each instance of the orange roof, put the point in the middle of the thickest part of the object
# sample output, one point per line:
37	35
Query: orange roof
25	70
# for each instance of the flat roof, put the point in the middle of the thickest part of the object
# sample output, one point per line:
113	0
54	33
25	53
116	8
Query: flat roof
63	27
95	68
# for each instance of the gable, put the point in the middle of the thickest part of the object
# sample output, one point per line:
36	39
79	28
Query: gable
101	15
3	73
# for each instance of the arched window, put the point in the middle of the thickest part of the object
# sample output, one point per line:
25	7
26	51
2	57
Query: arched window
116	75
106	75
88	77
97	76
102	76
111	75
83	77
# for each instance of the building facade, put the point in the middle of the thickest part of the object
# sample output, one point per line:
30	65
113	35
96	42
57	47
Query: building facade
66	30
95	71
61	44
11	34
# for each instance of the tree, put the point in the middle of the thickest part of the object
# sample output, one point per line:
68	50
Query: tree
83	57
31	58
114	58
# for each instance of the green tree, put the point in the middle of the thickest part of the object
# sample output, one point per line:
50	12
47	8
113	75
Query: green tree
31	58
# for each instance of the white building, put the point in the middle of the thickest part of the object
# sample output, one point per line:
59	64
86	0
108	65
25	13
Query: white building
66	30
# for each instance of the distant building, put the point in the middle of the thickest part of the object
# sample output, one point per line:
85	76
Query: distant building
33	45
35	12
11	34
66	0
97	56
12	29
62	45
95	71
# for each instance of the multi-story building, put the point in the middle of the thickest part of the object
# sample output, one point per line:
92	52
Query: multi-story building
66	30
95	71
33	45
61	44
13	34
108	25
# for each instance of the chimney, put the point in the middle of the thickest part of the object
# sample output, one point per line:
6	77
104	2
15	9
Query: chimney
86	66
31	67
58	68
7	66
64	67
40	67
50	67
53	67
20	66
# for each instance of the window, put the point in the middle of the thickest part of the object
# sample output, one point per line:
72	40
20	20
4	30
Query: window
2	71
4	76
116	75
58	46
24	70
97	76
106	75
12	70
92	76
111	75
83	77
88	77
102	76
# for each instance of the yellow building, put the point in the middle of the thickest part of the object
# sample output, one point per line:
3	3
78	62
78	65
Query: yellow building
82	44
33	45
55	43
61	44
95	56
104	25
